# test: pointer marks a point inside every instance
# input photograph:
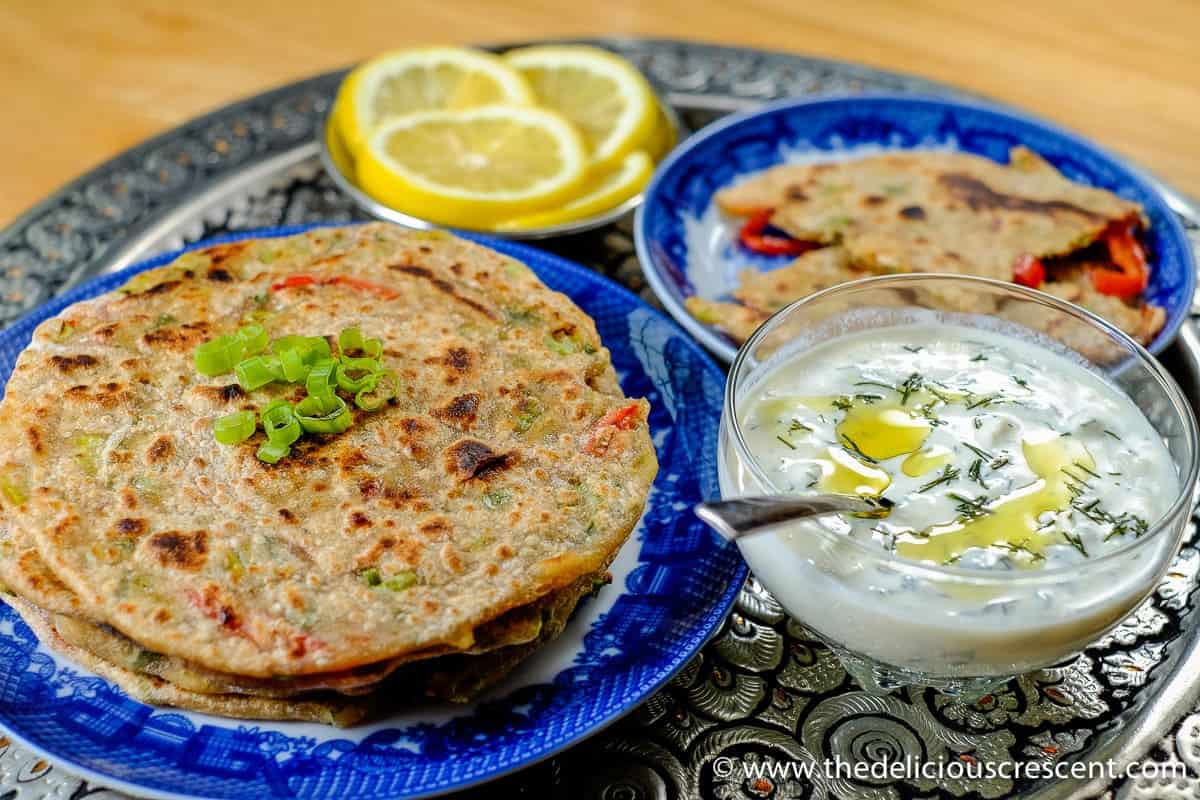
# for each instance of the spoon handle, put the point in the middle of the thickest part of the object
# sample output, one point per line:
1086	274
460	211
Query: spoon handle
746	516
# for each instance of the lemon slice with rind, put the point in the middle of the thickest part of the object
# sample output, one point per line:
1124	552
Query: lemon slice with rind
339	154
423	79
598	195
602	94
473	168
662	138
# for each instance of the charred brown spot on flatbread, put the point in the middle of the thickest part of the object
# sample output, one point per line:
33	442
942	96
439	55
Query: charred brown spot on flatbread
874	200
795	193
413	435
160	450
34	573
457	363
912	212
33	435
107	395
451	559
220	275
459	412
351	459
68	364
222	394
435	527
220	253
106	331
446	287
979	196
178	338
185	550
373	553
469	459
132	527
159	288
458	359
401	497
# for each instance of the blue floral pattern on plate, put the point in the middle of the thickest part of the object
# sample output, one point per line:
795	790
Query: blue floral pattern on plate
674	584
684	184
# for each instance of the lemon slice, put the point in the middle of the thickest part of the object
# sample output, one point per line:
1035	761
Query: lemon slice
603	94
662	139
602	193
338	152
423	79
476	167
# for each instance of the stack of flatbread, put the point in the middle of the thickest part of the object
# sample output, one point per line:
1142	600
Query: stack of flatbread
928	211
422	553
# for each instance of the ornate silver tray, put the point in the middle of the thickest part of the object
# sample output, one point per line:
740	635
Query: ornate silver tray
762	690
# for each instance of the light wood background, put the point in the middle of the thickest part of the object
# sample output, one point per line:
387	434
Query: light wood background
82	80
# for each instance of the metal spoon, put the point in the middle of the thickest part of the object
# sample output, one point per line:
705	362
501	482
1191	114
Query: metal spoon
748	516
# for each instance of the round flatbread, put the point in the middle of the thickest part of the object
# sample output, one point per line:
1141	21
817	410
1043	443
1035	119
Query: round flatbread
509	465
145	688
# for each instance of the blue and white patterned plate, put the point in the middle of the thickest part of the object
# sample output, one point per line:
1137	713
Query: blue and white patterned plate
673	585
687	249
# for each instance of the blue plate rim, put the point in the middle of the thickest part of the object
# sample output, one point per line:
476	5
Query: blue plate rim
723	349
704	632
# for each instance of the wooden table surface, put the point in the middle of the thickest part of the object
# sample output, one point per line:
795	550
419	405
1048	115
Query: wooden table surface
83	81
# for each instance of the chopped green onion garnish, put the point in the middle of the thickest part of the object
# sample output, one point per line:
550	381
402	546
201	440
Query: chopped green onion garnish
400	581
219	356
318	414
353	374
530	410
292	363
234	565
289	342
234	428
87	451
496	498
310	348
370	576
273	453
12	490
379	389
351	340
254	338
299	359
564	345
257	371
318	349
280	423
322	378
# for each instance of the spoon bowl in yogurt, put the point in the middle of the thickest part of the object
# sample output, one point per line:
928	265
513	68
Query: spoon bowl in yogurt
1037	465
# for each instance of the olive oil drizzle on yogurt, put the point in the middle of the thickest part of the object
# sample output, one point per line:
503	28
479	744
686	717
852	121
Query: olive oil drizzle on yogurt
996	453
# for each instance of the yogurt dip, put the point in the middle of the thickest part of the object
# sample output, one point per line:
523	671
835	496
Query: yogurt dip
1006	463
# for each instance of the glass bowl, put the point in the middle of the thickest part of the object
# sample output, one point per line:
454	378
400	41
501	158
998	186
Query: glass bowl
895	621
